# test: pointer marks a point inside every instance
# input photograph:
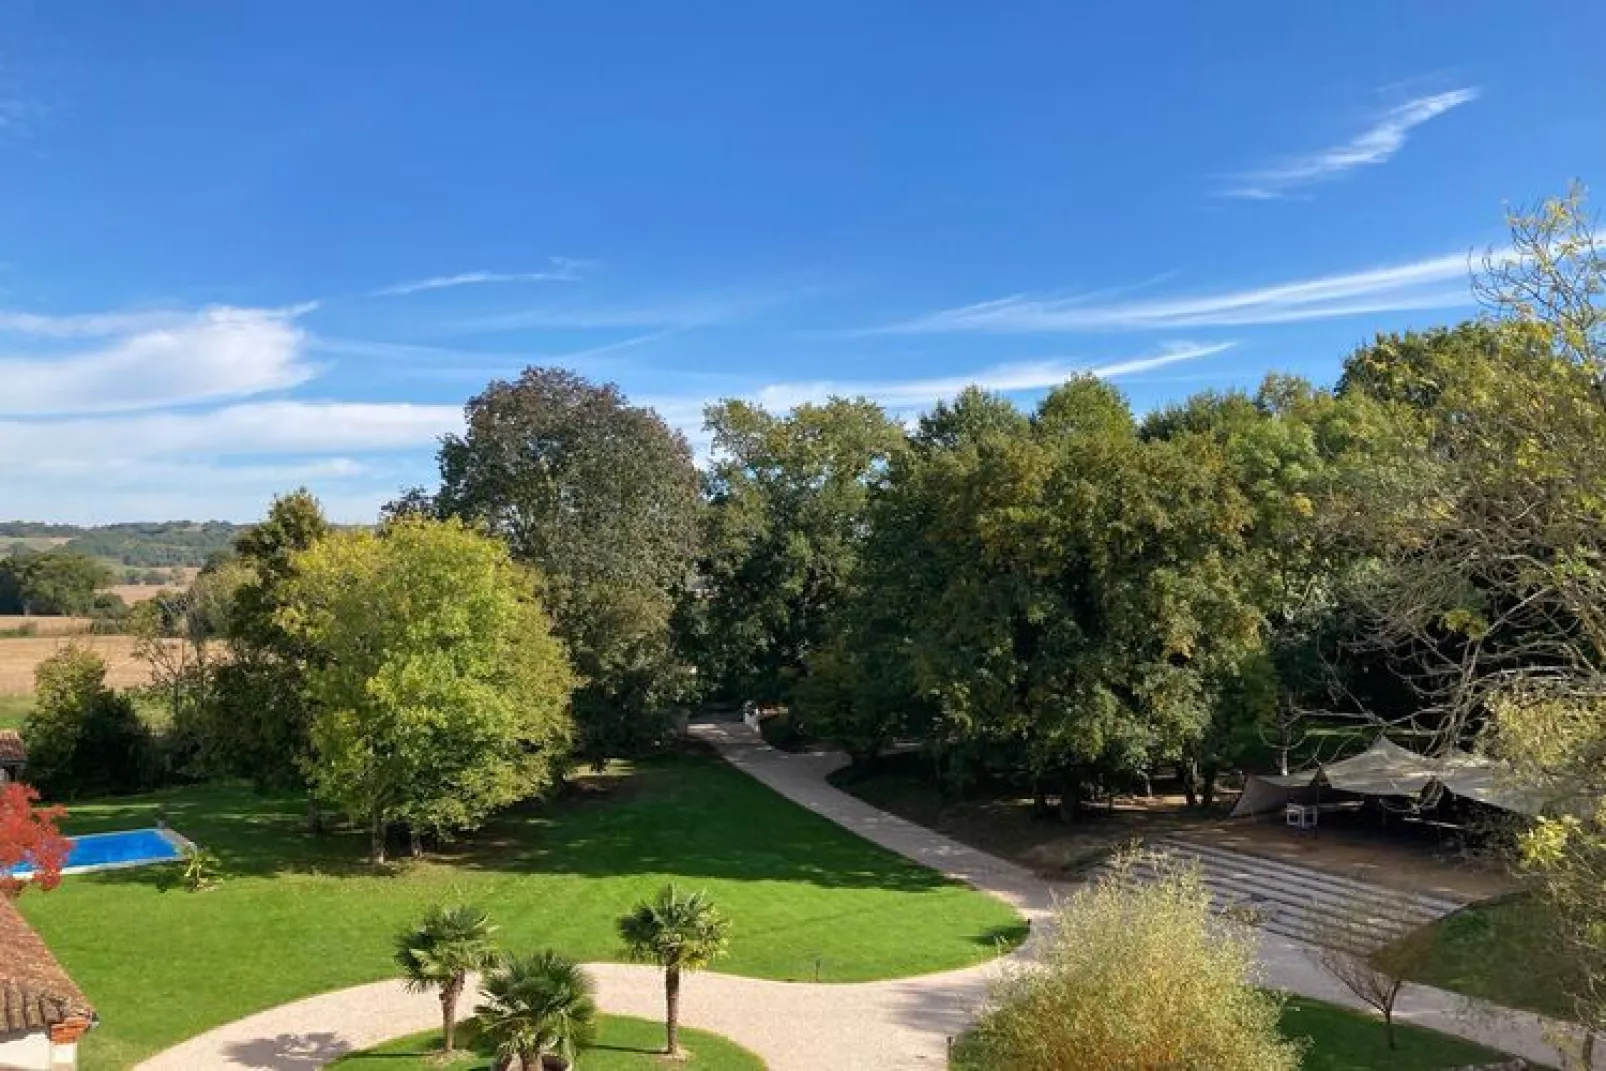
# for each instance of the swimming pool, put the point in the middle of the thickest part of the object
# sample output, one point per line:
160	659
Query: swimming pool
112	851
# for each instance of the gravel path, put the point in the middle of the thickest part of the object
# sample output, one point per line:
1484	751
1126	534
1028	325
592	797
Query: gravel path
799	1026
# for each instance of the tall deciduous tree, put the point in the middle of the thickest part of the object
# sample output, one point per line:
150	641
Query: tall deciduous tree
1496	603
440	692
83	737
255	721
788	501
602	497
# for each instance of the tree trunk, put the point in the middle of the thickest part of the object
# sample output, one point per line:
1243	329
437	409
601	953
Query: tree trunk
376	836
1388	1026
449	993
1190	784
1040	807
1070	796
1207	785
672	1008
314	818
415	841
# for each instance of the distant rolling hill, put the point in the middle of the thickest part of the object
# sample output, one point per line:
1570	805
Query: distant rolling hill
139	552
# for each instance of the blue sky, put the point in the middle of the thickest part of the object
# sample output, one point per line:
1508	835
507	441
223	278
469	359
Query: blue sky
249	246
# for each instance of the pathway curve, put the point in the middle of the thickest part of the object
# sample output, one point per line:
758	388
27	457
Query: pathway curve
797	1026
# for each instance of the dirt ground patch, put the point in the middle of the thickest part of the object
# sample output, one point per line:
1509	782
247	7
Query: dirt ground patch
18	657
1399	855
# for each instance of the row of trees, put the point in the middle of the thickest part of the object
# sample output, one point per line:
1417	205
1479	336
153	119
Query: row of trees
1071	595
51	582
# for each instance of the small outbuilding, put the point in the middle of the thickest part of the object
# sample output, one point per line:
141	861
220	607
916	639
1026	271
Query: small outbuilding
13	756
42	1013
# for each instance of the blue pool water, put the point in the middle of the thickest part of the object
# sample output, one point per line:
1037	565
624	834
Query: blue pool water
132	847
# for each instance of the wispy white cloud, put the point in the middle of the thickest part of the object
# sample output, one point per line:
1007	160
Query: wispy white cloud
563	270
441	362
245	430
906	397
1376	145
1432	283
900	394
211	355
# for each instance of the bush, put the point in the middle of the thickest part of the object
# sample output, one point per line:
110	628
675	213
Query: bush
784	731
84	738
1135	976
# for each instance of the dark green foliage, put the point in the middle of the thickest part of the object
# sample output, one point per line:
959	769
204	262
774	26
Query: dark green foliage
601	497
84	738
50	582
788	498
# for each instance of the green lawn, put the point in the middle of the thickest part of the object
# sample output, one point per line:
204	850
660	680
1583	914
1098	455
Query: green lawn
13	709
1343	1040
623	1044
300	915
1502	951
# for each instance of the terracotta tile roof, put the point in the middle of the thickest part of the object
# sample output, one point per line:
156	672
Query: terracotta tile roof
12	749
35	993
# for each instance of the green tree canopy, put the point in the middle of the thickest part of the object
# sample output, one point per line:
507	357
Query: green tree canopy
788	500
51	582
601	497
440	692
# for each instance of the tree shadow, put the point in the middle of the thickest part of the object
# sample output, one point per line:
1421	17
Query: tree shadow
289	1052
688	815
682	814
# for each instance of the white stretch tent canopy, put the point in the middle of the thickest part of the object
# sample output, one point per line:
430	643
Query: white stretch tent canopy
1386	769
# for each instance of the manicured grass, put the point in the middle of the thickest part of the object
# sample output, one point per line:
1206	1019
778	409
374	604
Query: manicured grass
1343	1040
13	709
623	1044
1503	952
298	915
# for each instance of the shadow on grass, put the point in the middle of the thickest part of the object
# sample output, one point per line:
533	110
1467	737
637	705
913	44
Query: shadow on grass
1006	937
682	814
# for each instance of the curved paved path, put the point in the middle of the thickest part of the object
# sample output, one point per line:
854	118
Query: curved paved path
798	1026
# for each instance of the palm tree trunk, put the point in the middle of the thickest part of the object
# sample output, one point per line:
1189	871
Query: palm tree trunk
672	1006
449	993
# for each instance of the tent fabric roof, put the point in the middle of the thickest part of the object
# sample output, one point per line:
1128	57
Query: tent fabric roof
1386	769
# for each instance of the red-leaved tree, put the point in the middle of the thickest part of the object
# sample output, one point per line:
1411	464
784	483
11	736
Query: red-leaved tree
29	836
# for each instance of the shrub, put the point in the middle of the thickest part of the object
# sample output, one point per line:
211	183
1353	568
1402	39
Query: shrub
1135	976
84	738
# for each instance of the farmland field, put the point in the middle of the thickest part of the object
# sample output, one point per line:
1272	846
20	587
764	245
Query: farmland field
45	626
18	657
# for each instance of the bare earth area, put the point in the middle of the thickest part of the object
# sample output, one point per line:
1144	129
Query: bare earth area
19	656
1397	855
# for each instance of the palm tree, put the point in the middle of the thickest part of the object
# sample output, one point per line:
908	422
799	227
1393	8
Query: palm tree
677	932
537	1004
440	952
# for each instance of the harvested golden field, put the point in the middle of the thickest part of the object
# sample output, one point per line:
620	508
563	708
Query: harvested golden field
46	626
18	657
